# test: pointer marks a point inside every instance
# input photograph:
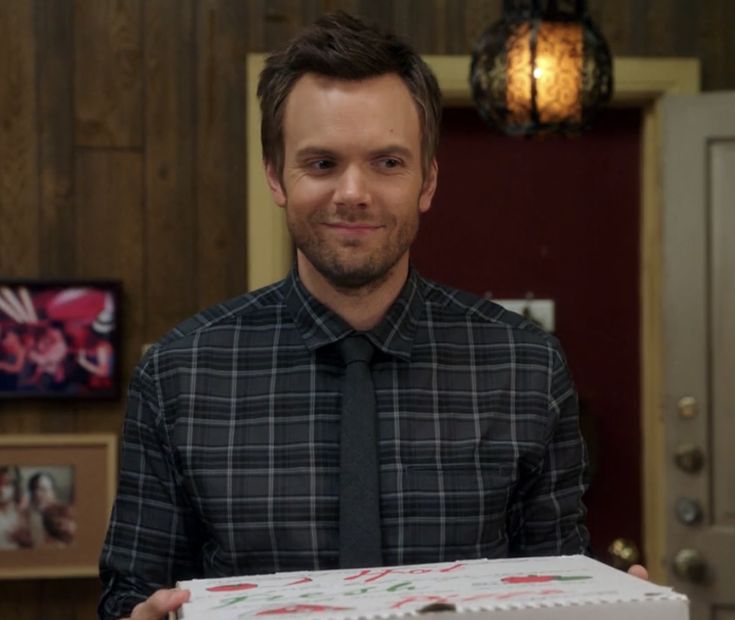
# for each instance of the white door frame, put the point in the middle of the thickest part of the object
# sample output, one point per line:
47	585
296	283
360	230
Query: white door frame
640	82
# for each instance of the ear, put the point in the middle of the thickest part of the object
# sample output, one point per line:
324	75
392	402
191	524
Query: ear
429	187
274	183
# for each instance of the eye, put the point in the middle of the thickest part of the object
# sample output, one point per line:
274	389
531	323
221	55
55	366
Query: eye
321	164
390	162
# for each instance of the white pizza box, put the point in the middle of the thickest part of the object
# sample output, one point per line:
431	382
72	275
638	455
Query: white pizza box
568	587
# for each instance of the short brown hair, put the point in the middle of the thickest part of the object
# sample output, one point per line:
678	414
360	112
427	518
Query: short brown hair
343	47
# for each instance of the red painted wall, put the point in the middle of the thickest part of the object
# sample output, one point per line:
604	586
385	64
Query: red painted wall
558	217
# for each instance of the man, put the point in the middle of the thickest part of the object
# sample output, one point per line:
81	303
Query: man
231	450
14	531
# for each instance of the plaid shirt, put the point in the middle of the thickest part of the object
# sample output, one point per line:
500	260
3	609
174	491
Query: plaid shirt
230	458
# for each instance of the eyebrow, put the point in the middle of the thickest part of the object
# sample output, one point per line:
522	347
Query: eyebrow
316	151
396	149
313	151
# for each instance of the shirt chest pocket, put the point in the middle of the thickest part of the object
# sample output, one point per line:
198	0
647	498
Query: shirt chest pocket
460	509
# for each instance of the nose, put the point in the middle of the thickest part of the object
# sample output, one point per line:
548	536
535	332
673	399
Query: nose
352	187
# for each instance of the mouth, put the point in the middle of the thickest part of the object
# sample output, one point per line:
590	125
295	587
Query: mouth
353	228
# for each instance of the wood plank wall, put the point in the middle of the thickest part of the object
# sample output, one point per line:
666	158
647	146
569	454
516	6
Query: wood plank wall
122	155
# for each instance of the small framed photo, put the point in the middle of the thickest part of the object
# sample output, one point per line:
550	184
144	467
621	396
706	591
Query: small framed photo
56	492
59	339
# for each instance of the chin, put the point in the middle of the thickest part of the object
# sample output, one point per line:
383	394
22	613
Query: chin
353	276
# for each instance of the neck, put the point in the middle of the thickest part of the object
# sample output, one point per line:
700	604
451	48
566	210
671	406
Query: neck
362	308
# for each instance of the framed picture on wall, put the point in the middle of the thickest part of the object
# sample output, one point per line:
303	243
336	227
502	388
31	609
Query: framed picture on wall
56	492
59	339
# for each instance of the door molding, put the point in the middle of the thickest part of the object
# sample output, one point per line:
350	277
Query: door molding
639	82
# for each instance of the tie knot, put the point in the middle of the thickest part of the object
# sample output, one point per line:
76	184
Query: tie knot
355	348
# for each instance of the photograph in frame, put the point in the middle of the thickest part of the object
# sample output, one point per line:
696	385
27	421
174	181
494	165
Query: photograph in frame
56	492
59	339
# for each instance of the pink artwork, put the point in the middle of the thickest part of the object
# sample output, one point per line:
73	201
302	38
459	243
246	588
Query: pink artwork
59	340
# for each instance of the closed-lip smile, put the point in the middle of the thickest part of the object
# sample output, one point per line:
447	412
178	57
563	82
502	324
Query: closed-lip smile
355	227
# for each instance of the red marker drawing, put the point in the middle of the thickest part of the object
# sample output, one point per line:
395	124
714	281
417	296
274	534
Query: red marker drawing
299	609
528	579
232	587
300	581
543	578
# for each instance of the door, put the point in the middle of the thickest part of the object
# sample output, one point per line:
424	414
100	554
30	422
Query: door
699	330
557	218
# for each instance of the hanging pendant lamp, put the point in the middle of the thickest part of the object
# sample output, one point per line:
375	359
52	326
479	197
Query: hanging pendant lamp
543	68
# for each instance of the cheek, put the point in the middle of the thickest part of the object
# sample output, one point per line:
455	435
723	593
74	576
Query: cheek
308	195
403	189
403	201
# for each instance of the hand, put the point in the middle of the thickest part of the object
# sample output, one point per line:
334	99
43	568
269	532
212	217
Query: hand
638	571
159	604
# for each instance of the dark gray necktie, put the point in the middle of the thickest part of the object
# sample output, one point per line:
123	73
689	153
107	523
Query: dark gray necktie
359	482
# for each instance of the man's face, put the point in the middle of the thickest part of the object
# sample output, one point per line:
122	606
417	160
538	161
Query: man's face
352	183
7	488
44	493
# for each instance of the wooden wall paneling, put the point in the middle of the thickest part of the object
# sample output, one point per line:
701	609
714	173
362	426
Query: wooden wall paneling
659	22
310	12
644	28
638	37
49	599
170	230
110	244
422	23
254	31
613	19
348	6
19	252
441	37
68	599
55	53
281	20
380	13
220	158
107	85
270	24
717	44
20	600
478	15
671	27
684	29
455	34
19	204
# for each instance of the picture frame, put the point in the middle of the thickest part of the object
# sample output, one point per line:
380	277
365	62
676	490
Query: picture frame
56	493
60	339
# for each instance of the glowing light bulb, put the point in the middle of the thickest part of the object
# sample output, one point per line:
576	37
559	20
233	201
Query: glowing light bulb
537	73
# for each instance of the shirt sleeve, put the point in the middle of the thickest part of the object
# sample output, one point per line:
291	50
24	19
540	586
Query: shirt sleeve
547	515
152	539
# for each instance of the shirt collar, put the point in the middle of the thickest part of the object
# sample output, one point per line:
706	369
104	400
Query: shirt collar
320	326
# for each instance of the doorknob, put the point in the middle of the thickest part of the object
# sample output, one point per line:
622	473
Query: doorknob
688	407
689	458
689	565
623	553
688	510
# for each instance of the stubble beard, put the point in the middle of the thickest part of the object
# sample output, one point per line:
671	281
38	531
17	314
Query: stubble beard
338	264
